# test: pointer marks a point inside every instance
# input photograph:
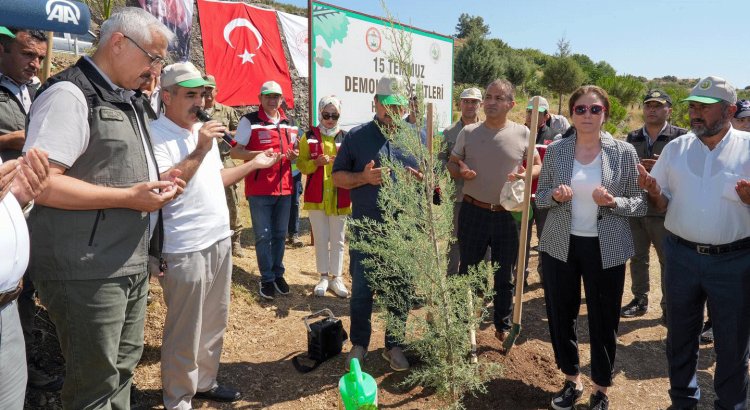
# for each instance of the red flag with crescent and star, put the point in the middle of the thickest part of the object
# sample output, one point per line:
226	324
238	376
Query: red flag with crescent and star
242	48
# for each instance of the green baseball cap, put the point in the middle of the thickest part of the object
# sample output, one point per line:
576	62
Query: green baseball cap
711	90
5	32
543	104
182	74
387	91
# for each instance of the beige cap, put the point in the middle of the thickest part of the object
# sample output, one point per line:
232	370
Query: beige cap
711	90
471	94
211	80
270	87
543	104
183	74
388	91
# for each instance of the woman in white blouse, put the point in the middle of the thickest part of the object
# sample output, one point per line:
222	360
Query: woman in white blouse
589	183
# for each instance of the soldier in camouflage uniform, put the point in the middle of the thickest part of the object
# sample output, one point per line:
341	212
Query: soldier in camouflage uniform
229	117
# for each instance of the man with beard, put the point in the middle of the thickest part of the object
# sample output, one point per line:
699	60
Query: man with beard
649	141
702	181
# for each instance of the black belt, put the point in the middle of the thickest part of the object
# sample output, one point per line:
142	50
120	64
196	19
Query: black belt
10	296
704	249
484	205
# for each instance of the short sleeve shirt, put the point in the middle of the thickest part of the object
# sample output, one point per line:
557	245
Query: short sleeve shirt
492	154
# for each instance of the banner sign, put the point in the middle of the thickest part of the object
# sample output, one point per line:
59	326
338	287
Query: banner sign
178	16
351	52
295	32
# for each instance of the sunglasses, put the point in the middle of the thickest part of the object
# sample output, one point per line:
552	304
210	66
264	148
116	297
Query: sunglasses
328	116
595	109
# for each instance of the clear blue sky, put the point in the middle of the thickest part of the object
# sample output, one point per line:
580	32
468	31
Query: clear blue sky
650	38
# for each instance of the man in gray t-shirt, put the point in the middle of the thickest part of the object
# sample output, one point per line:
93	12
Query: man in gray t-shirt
484	154
471	102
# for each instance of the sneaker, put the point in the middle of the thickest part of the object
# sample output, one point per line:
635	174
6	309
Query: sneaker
598	401
322	286
707	334
338	287
281	286
39	379
358	352
636	307
267	290
566	398
395	356
294	241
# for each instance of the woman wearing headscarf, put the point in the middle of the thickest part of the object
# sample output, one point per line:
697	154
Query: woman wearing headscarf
327	206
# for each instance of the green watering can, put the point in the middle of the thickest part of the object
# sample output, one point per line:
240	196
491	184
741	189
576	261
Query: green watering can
358	390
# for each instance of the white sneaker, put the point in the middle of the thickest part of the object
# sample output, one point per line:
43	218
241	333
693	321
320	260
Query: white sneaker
338	287
322	286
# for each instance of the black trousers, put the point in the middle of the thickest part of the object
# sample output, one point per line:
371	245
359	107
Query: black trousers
479	228
562	294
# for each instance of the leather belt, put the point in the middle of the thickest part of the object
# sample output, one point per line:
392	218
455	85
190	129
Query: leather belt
10	296
715	249
484	205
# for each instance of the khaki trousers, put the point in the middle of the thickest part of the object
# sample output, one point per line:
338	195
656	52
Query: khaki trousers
196	291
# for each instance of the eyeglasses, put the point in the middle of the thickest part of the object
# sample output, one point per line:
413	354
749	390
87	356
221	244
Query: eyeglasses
595	109
328	116
155	60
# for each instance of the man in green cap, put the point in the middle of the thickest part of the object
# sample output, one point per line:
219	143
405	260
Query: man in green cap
357	167
702	181
228	117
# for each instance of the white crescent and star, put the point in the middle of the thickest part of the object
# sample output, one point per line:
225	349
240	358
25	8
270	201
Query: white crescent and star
246	56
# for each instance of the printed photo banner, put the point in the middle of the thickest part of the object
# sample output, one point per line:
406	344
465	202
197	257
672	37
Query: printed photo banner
350	54
178	16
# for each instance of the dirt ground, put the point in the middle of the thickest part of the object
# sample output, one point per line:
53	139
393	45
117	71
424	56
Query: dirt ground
262	338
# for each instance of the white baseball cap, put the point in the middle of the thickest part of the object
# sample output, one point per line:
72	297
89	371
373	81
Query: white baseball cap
543	104
183	74
471	94
270	87
711	90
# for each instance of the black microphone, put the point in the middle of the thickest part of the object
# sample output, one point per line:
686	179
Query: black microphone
204	117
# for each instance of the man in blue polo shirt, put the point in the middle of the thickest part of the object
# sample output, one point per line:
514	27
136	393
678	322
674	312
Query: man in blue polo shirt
357	167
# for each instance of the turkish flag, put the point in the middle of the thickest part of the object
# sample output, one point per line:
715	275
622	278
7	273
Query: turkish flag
242	48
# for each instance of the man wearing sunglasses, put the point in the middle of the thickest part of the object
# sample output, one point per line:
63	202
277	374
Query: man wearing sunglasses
649	141
702	181
98	220
484	154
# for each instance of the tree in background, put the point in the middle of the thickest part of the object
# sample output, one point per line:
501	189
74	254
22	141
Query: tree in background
478	61
562	75
102	9
471	26
627	88
518	70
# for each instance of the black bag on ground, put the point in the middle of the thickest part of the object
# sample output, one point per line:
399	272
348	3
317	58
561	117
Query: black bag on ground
325	339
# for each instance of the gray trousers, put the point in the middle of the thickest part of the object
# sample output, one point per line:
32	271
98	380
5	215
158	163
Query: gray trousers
12	359
646	231
196	291
99	324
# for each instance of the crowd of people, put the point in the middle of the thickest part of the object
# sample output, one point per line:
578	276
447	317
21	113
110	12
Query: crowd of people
114	174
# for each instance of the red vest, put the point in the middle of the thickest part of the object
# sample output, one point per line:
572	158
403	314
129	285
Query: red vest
281	137
314	187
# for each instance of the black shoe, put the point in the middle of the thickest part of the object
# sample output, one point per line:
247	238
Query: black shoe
40	379
281	286
267	290
636	307
566	398
707	334
598	401
219	393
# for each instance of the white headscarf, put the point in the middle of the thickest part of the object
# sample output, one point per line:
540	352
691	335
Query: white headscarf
323	103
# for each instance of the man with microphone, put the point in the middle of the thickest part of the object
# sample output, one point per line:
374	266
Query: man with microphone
197	240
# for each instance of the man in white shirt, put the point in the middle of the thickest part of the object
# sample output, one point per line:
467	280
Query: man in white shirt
197	245
702	181
20	182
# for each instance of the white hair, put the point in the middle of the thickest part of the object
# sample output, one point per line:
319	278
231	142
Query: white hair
135	23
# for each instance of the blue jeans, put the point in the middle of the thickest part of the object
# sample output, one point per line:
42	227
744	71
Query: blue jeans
270	217
294	209
360	306
723	280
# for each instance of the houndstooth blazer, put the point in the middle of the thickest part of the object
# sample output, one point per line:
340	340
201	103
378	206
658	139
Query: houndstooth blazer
619	176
